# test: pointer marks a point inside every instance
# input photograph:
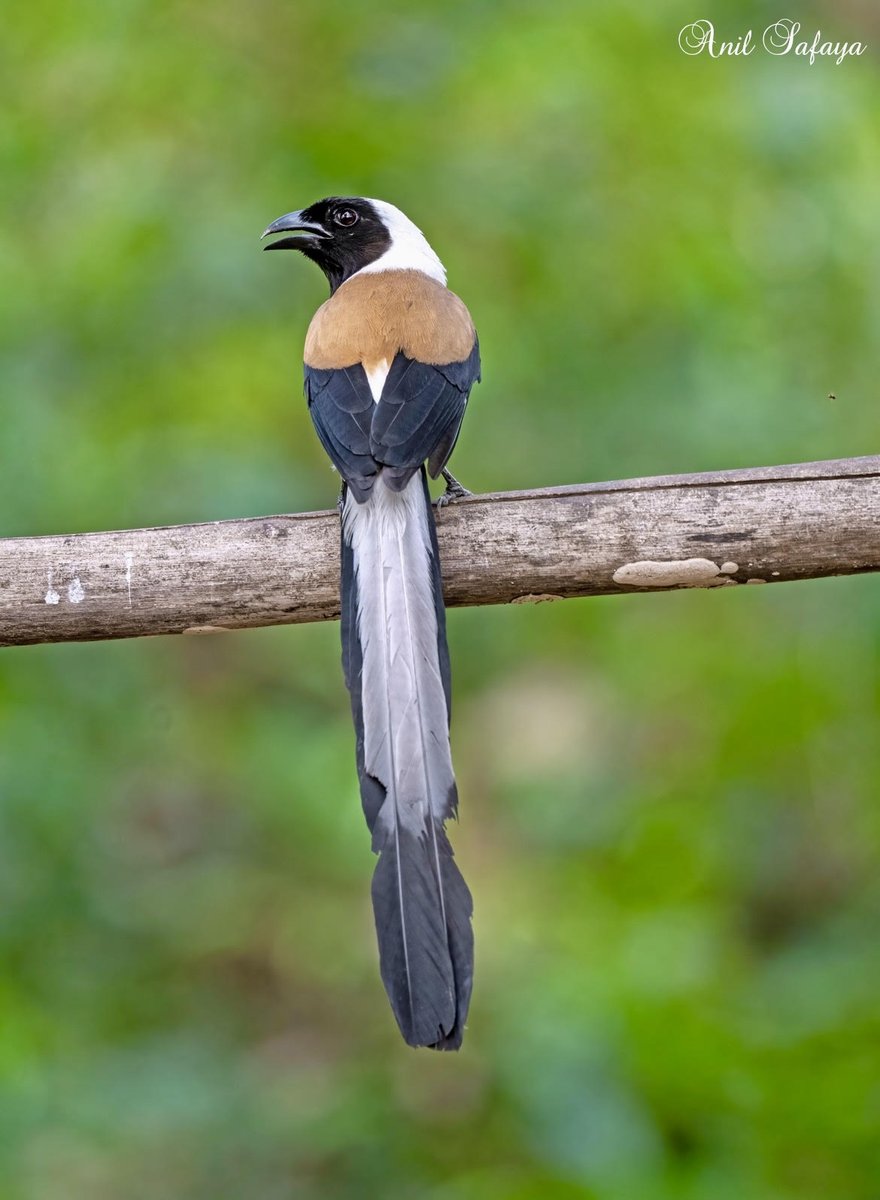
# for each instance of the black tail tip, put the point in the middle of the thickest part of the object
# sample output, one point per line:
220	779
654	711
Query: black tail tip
444	1041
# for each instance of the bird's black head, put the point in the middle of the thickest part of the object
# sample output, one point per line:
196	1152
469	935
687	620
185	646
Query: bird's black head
341	234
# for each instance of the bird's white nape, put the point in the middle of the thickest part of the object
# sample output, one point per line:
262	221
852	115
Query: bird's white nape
409	249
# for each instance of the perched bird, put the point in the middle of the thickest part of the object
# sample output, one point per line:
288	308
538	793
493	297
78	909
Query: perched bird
390	360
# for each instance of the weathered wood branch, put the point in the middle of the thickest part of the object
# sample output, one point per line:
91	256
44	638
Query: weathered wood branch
767	525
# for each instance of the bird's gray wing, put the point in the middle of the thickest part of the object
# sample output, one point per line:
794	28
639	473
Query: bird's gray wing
419	415
342	408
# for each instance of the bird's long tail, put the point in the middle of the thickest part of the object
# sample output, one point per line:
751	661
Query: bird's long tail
397	671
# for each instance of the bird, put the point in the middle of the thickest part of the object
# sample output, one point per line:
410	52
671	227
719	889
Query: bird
389	363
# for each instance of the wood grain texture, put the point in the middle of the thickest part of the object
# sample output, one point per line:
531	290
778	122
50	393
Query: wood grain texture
768	524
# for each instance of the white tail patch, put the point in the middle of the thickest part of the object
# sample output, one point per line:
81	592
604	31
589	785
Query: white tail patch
406	736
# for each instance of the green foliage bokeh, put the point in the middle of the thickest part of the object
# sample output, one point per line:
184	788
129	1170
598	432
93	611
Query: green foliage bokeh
669	810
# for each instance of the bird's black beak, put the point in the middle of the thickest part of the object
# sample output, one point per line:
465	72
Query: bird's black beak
306	233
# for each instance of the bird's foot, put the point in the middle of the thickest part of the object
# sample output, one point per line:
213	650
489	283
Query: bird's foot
454	490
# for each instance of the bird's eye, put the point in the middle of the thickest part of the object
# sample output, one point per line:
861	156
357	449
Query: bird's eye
346	216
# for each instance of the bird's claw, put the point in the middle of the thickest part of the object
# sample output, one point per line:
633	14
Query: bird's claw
454	490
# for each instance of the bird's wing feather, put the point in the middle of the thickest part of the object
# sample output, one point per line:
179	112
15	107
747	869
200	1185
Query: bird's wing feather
341	407
419	414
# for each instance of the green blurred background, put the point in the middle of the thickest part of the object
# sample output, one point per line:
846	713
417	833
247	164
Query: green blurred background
669	811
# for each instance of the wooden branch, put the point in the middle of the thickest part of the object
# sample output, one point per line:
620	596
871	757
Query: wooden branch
759	525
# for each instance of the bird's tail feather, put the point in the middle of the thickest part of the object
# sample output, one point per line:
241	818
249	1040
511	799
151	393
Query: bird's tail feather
397	671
